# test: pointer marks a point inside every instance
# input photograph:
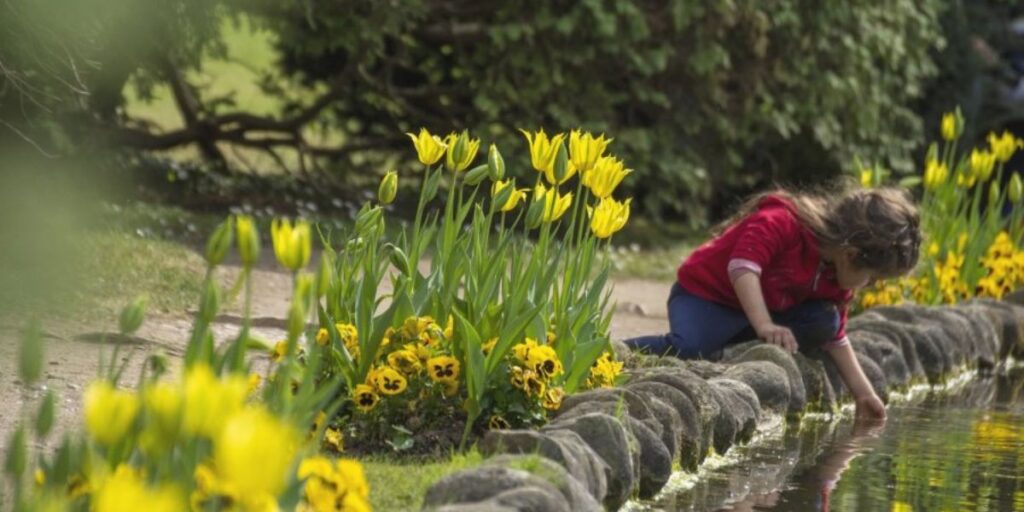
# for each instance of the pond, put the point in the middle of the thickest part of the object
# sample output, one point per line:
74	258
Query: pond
961	448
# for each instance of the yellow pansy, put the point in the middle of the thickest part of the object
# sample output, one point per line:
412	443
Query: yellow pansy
387	380
366	397
405	361
443	369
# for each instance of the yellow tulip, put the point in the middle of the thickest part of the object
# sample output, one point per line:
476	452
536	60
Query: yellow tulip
109	412
292	244
254	453
1003	146
248	240
605	176
585	149
951	126
982	163
543	150
555	204
126	490
515	197
162	403
429	148
608	217
209	401
461	151
935	174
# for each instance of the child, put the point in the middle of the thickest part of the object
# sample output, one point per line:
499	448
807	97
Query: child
784	270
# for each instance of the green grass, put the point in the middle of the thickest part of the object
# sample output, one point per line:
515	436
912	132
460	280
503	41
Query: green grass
657	263
116	267
401	485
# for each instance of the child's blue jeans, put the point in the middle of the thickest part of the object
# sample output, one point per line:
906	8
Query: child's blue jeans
701	328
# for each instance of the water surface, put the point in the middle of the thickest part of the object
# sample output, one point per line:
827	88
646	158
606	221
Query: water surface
950	450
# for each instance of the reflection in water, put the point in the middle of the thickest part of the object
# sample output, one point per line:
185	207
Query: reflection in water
961	450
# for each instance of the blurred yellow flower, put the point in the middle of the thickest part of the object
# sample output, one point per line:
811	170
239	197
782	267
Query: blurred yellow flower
585	149
255	452
163	405
248	240
935	174
109	412
981	163
334	439
1003	146
279	351
933	249
126	490
608	217
333	487
498	423
543	150
555	204
292	243
951	126
209	401
429	148
605	176
866	177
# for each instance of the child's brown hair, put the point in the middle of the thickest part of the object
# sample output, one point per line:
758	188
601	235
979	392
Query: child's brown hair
882	224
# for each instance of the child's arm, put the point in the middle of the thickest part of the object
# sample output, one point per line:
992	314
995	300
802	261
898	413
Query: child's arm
868	403
748	291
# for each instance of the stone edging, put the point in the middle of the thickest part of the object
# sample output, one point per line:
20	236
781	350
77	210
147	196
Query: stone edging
606	446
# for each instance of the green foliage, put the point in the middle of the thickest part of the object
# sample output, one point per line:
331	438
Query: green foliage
701	96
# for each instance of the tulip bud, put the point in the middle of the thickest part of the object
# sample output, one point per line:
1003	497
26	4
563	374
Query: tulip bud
399	260
325	274
503	194
1015	191
476	175
17	454
993	193
388	188
132	316
495	164
30	358
248	240
456	149
367	219
561	164
44	419
209	303
219	242
304	283
296	319
431	186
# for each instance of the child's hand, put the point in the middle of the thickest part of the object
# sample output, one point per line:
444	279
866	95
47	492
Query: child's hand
870	406
777	335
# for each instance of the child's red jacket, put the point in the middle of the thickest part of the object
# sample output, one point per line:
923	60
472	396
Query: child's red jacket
772	242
